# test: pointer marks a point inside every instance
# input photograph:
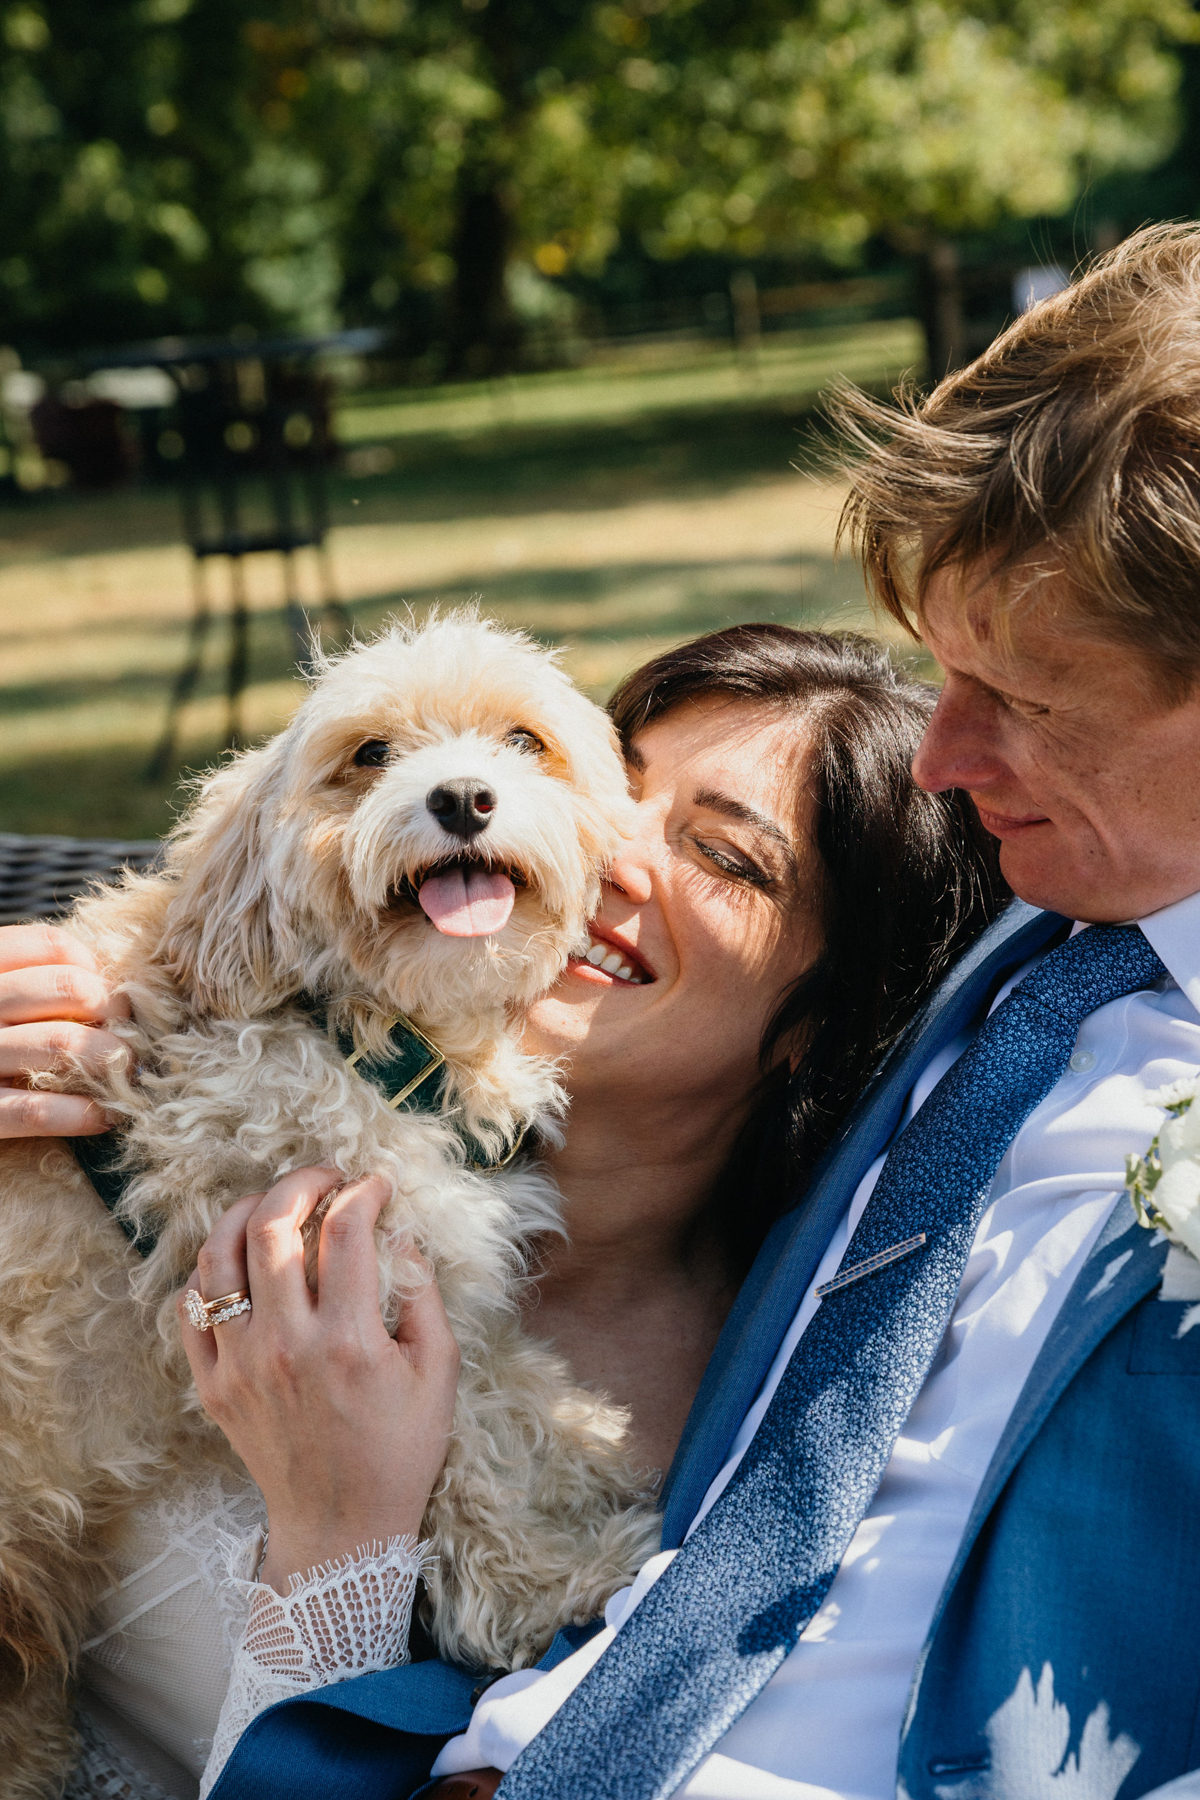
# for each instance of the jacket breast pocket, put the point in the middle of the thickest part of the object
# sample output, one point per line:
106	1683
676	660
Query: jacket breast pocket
1166	1338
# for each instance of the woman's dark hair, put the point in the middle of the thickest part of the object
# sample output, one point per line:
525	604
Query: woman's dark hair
908	880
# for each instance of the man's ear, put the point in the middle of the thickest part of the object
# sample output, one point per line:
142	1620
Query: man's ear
227	944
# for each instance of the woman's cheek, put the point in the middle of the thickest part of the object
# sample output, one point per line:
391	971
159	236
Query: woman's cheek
738	936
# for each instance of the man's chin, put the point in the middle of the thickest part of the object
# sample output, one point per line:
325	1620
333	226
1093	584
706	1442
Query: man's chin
1075	893
1042	880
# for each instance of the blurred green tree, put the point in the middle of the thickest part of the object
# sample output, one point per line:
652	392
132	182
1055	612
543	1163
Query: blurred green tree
917	122
196	164
128	150
488	132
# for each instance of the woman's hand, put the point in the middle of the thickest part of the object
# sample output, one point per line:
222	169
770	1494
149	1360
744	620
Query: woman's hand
344	1428
53	1006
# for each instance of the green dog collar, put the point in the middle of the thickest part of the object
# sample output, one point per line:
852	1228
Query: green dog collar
411	1074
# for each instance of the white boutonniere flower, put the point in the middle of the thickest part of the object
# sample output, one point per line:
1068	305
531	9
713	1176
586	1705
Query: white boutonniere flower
1164	1185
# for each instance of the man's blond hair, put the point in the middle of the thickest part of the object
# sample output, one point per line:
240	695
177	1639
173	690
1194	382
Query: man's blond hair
1071	448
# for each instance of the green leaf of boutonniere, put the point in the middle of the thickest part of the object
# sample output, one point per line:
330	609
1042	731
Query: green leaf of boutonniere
1164	1184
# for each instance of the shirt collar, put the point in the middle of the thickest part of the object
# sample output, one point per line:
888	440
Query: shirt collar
1174	933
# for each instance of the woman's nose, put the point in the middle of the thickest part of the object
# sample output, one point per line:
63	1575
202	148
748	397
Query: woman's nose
631	872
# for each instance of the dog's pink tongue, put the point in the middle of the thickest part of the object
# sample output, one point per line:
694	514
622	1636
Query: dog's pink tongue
471	907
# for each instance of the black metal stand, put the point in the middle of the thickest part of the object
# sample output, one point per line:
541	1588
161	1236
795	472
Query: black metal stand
250	438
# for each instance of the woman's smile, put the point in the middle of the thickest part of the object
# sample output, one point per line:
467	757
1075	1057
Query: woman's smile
612	962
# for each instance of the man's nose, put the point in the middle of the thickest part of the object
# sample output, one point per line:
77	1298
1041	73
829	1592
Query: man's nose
957	750
463	808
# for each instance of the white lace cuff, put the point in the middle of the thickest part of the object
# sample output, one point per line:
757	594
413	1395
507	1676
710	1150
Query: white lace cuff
346	1618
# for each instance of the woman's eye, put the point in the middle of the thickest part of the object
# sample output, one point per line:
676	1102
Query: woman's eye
373	754
525	740
741	868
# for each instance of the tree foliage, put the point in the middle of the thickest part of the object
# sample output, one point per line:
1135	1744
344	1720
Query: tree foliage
189	165
915	120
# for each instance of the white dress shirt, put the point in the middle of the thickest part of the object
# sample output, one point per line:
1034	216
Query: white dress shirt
827	1724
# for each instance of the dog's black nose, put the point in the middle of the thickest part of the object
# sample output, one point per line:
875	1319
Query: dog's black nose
461	807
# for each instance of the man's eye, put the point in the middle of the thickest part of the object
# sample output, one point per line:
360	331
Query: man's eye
373	754
528	741
1028	709
1014	703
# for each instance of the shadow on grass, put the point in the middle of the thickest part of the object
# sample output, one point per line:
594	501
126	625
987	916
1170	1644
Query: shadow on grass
105	794
520	469
592	605
92	796
442	476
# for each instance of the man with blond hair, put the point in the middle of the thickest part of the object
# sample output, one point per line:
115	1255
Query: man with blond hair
939	1497
932	1528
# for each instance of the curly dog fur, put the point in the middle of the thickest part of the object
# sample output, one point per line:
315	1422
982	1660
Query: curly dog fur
296	874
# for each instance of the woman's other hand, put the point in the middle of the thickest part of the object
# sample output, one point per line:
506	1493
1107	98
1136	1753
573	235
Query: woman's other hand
343	1427
53	1008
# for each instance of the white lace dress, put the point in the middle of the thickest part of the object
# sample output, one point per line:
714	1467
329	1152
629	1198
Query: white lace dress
187	1648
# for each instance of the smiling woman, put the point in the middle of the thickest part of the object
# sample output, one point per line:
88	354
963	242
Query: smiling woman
786	901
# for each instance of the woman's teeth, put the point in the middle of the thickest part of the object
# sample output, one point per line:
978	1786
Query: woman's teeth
603	956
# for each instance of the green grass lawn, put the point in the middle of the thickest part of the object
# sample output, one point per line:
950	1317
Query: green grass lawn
613	509
621	386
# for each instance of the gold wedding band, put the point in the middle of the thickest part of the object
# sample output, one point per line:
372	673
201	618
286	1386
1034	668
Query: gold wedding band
203	1314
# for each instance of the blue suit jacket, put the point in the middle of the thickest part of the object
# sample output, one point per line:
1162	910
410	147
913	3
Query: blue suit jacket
1064	1657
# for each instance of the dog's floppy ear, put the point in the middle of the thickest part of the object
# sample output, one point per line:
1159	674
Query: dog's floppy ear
223	945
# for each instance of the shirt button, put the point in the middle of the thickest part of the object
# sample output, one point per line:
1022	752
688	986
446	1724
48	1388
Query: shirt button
1082	1063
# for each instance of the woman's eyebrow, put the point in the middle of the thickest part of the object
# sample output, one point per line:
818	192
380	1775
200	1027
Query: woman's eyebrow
635	759
737	809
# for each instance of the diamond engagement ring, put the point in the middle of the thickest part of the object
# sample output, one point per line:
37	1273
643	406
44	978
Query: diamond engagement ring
203	1314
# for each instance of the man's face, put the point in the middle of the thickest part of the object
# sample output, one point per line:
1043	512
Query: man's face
1070	752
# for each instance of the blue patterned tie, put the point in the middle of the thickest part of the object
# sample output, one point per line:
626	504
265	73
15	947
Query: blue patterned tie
718	1623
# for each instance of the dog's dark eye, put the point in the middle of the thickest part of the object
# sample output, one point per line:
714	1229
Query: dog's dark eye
373	754
525	740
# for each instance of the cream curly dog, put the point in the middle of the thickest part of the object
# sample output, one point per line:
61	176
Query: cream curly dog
425	838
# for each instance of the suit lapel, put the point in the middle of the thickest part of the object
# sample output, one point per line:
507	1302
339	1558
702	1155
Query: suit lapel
1125	1264
789	1258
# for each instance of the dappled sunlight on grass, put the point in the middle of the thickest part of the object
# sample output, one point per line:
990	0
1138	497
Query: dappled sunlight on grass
631	387
610	538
